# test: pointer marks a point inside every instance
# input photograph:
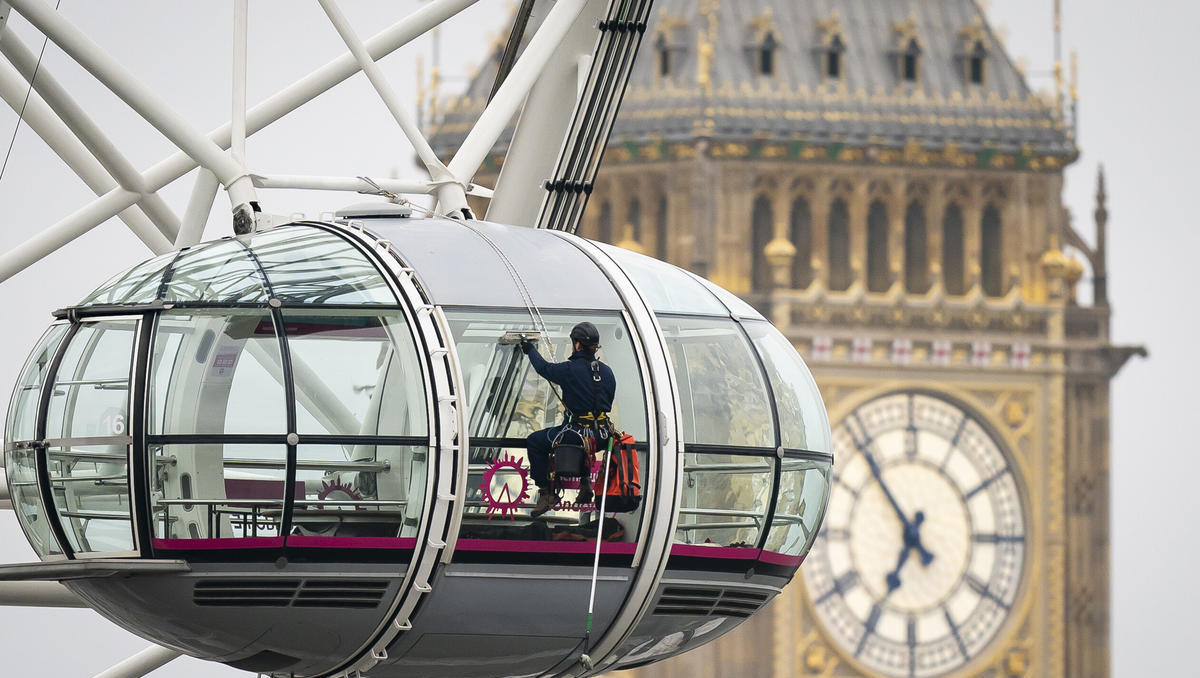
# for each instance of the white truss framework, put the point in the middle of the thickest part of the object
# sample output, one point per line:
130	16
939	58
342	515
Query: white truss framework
123	191
566	84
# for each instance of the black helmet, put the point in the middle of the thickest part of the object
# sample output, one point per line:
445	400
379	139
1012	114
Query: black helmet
586	333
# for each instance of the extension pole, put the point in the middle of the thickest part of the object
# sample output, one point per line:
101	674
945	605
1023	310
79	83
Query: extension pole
584	658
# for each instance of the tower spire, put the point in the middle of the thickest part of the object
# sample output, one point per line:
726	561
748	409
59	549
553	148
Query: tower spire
1058	61
1100	265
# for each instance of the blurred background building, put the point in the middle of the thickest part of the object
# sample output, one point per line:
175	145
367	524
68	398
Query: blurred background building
880	180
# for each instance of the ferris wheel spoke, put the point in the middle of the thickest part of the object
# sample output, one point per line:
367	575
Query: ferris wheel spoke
60	102
495	118
199	206
83	220
141	99
142	663
58	137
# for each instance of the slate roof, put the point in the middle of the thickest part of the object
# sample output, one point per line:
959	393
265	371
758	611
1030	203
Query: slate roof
724	98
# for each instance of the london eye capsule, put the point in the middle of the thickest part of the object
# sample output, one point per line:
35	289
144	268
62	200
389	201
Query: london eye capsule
302	452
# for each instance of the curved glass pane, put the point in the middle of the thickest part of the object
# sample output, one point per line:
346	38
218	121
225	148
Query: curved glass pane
506	399
735	303
356	373
359	490
214	491
19	465
441	250
309	265
667	288
90	488
721	389
91	388
803	421
216	371
725	499
220	271
22	410
132	285
803	494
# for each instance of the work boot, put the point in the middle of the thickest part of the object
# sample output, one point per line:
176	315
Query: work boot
585	494
547	500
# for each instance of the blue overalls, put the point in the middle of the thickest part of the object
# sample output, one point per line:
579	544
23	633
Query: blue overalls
581	394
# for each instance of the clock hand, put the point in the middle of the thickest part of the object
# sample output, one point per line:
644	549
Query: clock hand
915	540
887	492
893	577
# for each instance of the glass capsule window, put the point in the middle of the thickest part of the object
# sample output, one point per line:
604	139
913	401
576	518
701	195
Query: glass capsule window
356	373
22	409
667	288
206	493
217	371
284	398
87	438
297	264
803	423
505	398
721	388
726	498
803	489
506	401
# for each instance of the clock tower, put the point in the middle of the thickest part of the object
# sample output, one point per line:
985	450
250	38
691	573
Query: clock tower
879	179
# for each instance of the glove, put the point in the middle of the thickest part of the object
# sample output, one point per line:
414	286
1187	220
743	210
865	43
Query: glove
526	345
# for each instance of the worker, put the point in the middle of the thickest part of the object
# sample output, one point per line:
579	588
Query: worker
588	389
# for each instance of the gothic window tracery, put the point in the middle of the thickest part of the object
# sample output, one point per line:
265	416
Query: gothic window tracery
976	61
668	47
974	52
633	220
664	56
992	252
907	48
766	55
878	276
831	45
801	236
909	62
762	232
953	249
841	274
916	253
763	43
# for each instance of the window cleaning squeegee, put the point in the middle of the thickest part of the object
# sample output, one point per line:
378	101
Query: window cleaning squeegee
512	338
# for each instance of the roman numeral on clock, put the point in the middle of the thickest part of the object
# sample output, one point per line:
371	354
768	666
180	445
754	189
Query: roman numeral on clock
841	585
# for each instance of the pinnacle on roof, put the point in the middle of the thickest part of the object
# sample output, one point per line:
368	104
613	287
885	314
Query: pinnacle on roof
855	73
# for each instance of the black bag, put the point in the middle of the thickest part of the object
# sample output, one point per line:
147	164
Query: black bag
569	460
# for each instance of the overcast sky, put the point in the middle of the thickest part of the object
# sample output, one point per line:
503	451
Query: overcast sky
1138	83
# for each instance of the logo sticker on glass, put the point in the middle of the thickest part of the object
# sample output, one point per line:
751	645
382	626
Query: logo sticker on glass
505	486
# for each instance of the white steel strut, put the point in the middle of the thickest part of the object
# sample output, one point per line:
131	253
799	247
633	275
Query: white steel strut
566	84
569	80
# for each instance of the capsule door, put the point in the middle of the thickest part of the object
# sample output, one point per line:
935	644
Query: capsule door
85	429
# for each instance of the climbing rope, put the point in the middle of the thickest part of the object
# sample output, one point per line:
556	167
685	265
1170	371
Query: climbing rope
535	313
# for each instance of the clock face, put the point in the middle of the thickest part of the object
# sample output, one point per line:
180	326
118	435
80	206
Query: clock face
920	557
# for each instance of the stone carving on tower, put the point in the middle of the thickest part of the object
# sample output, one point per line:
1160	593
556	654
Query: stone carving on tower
879	179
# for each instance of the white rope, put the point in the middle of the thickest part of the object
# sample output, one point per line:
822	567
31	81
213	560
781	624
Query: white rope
535	314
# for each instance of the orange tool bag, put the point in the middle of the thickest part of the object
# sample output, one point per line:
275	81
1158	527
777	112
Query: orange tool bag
621	478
